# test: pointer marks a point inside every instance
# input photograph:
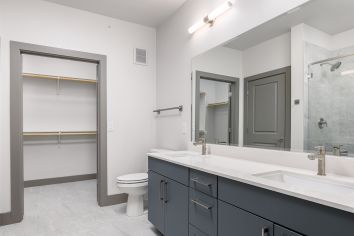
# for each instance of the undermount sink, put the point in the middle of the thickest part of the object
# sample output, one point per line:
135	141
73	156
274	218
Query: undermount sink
184	154
316	183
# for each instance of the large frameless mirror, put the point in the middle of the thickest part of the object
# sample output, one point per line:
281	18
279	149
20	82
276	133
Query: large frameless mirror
285	85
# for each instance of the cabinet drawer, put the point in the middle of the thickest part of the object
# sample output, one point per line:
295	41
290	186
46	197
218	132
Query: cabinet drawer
204	182
237	222
280	231
170	170
193	231
203	212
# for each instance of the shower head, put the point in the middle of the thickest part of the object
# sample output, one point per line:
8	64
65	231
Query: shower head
334	66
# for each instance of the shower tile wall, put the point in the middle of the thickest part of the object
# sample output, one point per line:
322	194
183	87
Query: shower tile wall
330	96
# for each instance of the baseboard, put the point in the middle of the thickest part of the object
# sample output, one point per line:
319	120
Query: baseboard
58	180
114	199
8	218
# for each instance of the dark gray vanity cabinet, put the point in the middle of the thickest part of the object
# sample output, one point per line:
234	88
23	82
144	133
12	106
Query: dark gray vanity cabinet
168	199
187	202
237	222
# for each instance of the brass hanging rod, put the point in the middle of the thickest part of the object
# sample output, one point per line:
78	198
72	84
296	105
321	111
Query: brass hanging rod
59	133
53	77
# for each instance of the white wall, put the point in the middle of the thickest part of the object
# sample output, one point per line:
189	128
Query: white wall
131	88
173	72
219	60
267	56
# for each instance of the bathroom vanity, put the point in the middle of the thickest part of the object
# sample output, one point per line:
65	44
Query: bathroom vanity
196	195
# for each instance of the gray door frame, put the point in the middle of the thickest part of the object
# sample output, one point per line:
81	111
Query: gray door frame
234	100
16	124
287	72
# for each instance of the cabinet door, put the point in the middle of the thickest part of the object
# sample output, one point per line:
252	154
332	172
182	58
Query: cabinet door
280	231
156	204
233	221
176	208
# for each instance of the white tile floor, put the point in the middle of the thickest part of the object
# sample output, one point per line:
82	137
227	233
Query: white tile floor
71	209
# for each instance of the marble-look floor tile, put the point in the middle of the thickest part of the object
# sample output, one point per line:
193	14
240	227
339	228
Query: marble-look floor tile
71	209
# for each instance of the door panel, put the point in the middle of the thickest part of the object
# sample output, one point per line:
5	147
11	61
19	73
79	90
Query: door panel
156	205
265	108
176	208
236	222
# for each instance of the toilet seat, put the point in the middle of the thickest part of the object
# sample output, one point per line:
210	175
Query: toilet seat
133	178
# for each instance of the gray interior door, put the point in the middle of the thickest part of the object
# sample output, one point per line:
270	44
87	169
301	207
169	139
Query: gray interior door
266	112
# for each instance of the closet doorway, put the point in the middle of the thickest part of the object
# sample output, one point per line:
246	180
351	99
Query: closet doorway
58	120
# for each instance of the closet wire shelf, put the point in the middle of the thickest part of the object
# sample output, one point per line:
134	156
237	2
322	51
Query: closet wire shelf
59	133
58	78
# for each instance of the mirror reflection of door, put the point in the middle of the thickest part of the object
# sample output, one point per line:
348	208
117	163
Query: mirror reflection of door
267	110
217	103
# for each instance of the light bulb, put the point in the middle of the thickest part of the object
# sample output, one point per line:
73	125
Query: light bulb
220	10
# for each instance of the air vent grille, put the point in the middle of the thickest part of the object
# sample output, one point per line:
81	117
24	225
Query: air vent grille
140	56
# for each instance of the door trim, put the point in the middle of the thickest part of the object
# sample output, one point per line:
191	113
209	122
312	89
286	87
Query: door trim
287	129
235	100
16	121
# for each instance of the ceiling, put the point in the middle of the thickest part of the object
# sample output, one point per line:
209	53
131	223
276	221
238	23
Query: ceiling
330	16
145	12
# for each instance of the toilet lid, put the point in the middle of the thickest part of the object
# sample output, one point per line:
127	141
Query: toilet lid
133	178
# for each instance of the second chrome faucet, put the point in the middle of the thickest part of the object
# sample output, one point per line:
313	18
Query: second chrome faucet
320	155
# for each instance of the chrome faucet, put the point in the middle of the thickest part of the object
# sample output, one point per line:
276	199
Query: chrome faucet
320	155
201	141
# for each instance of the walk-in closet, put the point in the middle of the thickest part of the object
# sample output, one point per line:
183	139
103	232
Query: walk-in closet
59	120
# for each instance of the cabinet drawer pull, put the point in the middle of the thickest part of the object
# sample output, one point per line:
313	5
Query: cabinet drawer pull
201	204
161	190
265	231
165	192
195	180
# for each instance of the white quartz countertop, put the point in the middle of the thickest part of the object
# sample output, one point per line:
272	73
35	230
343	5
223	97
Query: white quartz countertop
244	171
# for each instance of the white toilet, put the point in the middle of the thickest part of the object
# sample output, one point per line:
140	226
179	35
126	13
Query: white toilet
136	186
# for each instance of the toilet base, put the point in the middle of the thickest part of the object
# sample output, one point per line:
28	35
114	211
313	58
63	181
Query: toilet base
135	205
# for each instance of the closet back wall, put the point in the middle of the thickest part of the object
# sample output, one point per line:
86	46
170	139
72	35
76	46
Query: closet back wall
130	88
70	107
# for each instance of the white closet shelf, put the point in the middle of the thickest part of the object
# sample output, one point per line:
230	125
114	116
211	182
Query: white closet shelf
59	133
54	77
217	104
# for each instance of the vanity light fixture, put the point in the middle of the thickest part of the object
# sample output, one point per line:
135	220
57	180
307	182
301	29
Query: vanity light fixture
347	72
210	18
